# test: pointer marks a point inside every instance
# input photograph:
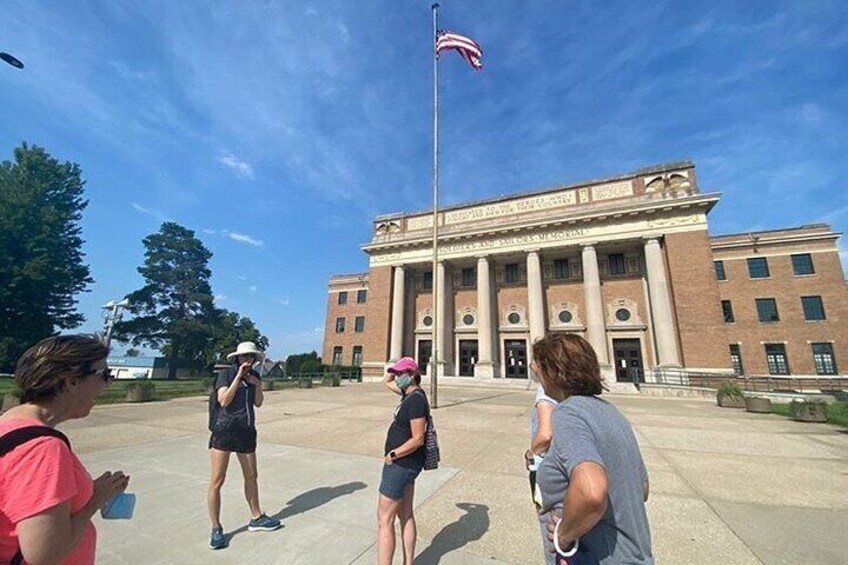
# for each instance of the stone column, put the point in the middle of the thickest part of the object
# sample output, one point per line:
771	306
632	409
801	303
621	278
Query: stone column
535	299
484	368
660	305
442	316
595	326
398	303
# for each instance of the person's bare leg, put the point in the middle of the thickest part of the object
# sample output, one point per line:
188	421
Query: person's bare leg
409	532
220	460
251	482
387	510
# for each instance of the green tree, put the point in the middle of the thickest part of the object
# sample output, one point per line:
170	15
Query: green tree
173	311
231	329
41	258
132	352
303	362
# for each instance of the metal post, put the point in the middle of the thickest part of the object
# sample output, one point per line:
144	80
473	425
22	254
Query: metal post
434	391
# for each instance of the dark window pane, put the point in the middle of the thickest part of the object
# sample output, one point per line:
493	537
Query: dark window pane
561	268
337	355
343	297
361	296
469	276
824	359
813	307
511	273
359	324
340	325
719	270
767	310
776	359
427	281
357	355
802	264
736	359
758	268
727	311
616	264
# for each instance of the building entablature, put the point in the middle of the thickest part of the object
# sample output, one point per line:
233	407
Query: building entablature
755	241
633	222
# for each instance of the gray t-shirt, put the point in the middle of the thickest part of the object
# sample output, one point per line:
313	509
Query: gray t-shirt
586	428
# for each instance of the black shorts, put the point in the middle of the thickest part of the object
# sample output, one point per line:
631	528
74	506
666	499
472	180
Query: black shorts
240	440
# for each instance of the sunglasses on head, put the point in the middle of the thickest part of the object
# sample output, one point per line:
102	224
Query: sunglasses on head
104	373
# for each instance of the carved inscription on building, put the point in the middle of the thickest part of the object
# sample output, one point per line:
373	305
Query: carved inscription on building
525	239
419	222
612	190
531	204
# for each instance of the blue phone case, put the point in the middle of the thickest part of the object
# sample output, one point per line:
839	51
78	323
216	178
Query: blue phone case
121	507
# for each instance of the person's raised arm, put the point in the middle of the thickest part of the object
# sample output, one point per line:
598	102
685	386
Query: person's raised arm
389	381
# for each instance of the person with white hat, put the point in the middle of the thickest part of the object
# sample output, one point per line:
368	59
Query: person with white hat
238	390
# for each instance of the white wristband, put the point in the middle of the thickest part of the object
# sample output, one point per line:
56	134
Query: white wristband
570	552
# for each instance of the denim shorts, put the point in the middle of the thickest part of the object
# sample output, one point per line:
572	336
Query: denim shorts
395	480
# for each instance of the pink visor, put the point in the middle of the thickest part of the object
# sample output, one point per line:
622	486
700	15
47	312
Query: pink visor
404	365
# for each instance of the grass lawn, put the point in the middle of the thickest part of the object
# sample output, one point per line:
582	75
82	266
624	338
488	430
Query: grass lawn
837	413
165	390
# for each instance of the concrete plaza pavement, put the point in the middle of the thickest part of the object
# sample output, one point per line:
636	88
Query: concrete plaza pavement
726	486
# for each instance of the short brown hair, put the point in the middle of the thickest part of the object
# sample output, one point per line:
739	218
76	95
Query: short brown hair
46	368
569	362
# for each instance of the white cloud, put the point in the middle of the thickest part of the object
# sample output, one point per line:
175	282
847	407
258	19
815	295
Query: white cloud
149	211
241	168
284	301
210	232
241	277
220	297
244	238
253	288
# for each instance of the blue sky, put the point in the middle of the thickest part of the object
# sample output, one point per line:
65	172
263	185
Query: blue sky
277	129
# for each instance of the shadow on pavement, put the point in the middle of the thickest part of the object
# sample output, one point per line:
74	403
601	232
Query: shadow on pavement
469	527
309	500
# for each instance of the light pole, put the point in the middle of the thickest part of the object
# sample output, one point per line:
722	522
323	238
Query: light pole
112	314
11	59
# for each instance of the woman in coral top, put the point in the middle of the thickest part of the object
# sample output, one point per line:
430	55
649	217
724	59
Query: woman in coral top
47	498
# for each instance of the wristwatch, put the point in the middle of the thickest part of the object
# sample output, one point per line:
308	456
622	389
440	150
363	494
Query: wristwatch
393	455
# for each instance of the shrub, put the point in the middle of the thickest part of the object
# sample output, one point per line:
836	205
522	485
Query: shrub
729	388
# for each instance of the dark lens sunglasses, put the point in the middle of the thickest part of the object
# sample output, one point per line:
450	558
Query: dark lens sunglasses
105	373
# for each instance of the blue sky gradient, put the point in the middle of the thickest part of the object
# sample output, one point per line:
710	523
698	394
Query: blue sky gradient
278	130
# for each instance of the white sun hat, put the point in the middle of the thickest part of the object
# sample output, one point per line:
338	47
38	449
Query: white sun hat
246	348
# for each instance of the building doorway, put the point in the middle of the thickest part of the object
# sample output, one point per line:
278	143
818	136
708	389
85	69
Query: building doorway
425	351
467	357
628	361
515	354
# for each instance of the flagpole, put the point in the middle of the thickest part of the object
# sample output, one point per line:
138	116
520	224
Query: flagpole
434	395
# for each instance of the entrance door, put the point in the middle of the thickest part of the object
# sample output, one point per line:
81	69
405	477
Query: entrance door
467	357
425	351
515	353
628	361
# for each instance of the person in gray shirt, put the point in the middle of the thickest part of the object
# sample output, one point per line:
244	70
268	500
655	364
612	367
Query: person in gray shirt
593	480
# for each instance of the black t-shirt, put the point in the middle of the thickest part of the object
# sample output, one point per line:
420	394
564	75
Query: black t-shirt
241	408
413	405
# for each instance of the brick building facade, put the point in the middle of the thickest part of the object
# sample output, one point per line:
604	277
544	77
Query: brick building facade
625	261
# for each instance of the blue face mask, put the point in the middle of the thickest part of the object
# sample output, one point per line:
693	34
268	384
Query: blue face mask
403	381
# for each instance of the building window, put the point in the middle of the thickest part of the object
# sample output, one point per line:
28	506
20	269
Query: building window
342	298
758	268
824	359
736	359
356	360
427	281
469	276
719	270
359	324
361	296
776	359
513	318
813	308
622	314
511	273
727	311
767	310
337	355
565	317
340	324
802	264
616	264
560	268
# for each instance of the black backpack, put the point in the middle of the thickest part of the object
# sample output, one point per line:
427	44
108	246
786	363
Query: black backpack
13	439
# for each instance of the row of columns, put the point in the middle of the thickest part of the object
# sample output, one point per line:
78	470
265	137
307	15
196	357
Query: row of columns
660	306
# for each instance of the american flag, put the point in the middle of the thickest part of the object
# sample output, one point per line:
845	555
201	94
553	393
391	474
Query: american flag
468	48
